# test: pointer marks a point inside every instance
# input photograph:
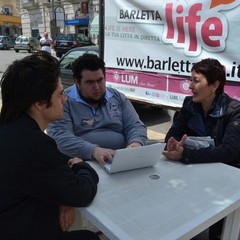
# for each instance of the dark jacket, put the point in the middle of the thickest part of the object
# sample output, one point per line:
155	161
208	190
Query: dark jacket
222	124
34	180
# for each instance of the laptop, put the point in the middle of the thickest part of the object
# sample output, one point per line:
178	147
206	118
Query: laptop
133	158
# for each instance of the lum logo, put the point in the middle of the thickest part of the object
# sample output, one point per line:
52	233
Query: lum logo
125	78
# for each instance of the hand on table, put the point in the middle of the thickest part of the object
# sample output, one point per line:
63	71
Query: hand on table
66	217
134	144
73	161
103	155
174	148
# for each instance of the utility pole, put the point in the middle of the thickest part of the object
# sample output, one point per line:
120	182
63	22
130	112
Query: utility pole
101	29
53	27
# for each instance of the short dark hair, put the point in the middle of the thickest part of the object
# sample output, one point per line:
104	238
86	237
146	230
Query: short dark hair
26	81
87	62
213	70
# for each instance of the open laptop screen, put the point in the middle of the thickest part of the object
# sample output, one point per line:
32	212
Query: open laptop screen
133	158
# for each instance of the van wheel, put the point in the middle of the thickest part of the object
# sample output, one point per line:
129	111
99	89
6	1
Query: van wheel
30	50
58	54
16	50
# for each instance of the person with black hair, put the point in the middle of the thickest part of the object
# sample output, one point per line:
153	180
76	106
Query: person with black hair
39	186
97	119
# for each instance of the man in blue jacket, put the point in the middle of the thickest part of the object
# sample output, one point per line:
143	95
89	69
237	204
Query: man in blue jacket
97	120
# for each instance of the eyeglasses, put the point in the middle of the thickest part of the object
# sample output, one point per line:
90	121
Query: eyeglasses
63	94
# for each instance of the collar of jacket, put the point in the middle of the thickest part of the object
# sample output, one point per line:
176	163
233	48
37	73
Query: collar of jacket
72	92
217	109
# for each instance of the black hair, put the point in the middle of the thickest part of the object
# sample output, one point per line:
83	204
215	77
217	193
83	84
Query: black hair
87	62
213	70
26	81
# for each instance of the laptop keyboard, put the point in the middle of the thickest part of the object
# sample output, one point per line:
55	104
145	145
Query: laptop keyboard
107	166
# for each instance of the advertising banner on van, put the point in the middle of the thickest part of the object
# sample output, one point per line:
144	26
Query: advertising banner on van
169	36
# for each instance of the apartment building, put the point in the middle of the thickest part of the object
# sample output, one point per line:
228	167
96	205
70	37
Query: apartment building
10	20
55	16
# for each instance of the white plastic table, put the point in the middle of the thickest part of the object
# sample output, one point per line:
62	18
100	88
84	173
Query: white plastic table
167	202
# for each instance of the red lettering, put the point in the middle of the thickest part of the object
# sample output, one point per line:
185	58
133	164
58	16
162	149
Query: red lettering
192	20
212	27
188	28
169	21
180	27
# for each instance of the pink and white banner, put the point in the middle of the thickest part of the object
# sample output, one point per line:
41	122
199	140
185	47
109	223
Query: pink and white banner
158	41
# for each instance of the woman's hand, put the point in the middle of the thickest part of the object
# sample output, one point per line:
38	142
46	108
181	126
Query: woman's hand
174	148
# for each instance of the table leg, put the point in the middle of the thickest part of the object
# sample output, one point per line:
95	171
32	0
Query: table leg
231	226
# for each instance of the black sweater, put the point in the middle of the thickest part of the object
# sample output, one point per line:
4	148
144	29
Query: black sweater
34	180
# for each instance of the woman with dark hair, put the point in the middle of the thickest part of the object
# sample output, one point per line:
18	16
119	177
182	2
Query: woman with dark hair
211	113
39	186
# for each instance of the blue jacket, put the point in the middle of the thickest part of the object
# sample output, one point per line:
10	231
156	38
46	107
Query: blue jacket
114	124
222	124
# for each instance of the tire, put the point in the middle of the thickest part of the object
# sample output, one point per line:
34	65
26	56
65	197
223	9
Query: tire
58	54
16	50
30	50
5	47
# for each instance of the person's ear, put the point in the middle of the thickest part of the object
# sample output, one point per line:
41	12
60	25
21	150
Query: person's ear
40	105
77	82
215	85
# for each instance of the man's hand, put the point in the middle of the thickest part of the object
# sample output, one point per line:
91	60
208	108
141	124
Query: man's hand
66	217
72	161
103	155
134	144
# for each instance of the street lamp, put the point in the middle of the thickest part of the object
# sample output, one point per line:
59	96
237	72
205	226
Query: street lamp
53	25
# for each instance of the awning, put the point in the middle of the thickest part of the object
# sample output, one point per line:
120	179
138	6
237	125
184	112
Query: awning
10	20
94	29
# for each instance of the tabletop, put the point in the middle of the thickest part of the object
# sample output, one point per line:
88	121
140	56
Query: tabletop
168	201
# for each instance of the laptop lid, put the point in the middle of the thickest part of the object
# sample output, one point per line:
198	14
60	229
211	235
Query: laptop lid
133	158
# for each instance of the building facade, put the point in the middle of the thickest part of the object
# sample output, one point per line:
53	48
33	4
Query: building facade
58	16
10	21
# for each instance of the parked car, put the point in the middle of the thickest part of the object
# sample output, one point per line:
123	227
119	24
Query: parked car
64	42
6	43
26	43
67	60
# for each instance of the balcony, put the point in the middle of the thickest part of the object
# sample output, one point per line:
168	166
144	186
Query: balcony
72	1
48	3
30	4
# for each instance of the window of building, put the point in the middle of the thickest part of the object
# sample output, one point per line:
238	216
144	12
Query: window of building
6	9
